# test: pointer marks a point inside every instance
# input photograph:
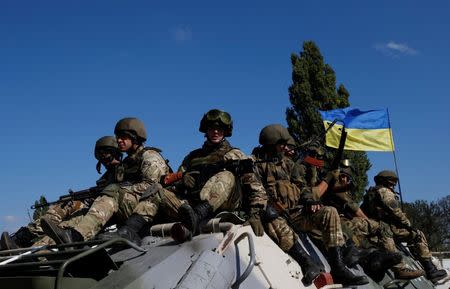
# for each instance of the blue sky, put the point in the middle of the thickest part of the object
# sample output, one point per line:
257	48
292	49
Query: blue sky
70	69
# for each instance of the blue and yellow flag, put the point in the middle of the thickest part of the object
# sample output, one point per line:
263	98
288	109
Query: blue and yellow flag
367	130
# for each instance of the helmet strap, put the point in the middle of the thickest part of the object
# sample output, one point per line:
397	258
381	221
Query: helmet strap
99	167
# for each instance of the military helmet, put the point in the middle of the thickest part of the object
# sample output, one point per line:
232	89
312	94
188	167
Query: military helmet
106	143
218	118
274	134
346	171
385	175
132	127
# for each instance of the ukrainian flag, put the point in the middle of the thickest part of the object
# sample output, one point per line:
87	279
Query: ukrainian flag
367	130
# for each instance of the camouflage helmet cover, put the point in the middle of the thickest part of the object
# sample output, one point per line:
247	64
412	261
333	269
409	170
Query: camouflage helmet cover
273	134
131	125
217	117
387	175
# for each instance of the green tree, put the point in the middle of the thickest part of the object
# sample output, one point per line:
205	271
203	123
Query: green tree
39	212
314	88
432	219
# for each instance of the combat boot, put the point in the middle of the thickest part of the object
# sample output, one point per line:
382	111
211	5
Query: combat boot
407	273
341	274
378	262
192	218
352	255
60	236
24	237
432	273
310	269
6	243
131	229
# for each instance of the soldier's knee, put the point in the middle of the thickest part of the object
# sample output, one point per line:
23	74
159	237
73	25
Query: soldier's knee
111	190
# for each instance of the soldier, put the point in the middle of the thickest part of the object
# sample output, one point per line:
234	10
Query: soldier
364	232
286	189
107	153
143	167
210	191
381	203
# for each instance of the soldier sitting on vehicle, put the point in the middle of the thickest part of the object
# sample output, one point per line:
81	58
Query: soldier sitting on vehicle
107	153
381	203
211	189
143	167
287	190
360	230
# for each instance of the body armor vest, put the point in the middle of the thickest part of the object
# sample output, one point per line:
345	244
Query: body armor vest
277	182
132	165
206	155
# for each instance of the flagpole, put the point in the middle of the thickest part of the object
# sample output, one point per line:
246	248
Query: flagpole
395	158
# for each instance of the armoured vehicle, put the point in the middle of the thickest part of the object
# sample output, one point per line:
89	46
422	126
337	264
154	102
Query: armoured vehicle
225	255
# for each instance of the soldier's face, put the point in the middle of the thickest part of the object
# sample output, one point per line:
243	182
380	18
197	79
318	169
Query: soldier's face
215	134
124	142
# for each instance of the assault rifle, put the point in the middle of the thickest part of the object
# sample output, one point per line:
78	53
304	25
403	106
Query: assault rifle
89	193
237	167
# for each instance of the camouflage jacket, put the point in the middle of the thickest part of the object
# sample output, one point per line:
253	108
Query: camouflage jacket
252	189
283	181
143	168
341	200
381	203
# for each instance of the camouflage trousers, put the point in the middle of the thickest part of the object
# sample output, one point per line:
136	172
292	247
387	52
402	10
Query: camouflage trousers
416	240
74	220
281	233
323	225
367	233
220	192
122	204
56	213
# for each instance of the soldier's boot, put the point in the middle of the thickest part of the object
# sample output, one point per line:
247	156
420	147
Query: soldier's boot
407	273
192	218
378	262
130	230
433	274
60	236
310	269
6	243
24	237
352	255
341	274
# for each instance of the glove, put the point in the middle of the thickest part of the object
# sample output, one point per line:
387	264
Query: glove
332	176
256	224
189	179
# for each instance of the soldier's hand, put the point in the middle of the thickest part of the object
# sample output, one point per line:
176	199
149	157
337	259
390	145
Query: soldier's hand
256	224
332	176
189	179
312	206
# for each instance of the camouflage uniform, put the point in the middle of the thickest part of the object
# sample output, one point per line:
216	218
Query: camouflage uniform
142	168
283	181
382	204
70	217
221	190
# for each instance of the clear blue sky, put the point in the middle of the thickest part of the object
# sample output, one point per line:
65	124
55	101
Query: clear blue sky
70	69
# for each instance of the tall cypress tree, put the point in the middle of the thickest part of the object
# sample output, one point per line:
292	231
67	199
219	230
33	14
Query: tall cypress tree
314	88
